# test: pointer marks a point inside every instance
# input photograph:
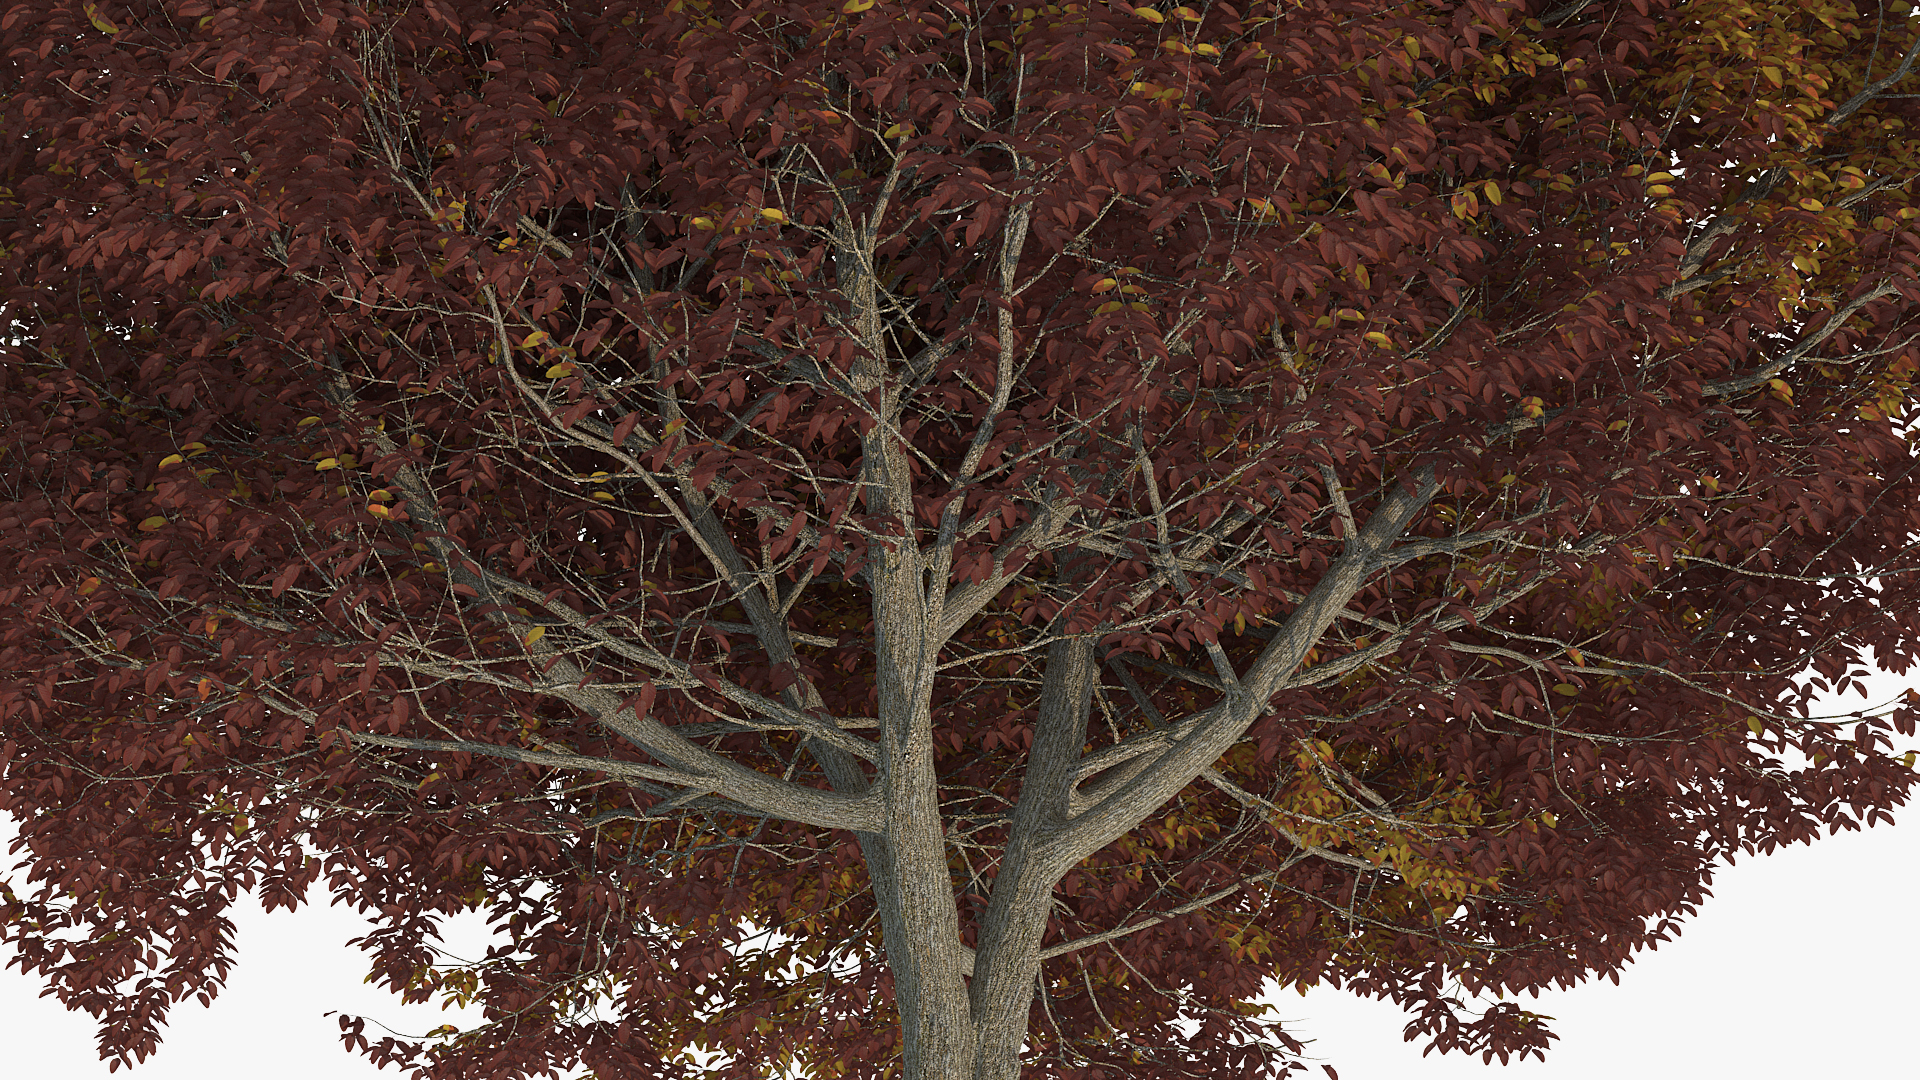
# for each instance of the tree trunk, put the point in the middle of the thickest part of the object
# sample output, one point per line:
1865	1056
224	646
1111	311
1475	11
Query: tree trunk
913	886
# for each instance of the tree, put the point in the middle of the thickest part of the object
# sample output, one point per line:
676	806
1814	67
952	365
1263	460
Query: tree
1066	513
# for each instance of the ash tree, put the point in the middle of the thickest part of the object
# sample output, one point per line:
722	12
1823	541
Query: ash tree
942	540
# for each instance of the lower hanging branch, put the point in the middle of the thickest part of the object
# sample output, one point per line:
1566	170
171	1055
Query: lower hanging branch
1187	908
688	786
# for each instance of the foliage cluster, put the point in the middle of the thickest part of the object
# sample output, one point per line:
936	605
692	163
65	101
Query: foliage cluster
1035	504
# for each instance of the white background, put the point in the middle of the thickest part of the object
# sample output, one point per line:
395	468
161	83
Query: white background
1803	963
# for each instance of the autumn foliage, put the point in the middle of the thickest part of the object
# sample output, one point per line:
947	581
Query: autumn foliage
1069	515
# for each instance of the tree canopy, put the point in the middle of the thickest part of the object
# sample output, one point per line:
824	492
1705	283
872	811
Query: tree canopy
895	538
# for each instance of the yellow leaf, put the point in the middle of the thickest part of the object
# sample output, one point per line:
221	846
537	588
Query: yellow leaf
559	371
1150	15
152	523
898	131
308	422
854	7
703	223
1105	284
379	510
382	495
171	459
534	339
1812	204
194	449
98	20
535	634
1207	50
1380	339
327	463
1565	689
88	586
773	215
1579	659
1550	820
603	496
1780	386
1187	14
1754	725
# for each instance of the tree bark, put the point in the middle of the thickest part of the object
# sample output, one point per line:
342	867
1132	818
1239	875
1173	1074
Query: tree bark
912	884
1008	960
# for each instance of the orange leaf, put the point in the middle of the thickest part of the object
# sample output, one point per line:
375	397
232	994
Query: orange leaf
98	20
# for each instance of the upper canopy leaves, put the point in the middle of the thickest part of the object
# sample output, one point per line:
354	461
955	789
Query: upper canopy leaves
1348	490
